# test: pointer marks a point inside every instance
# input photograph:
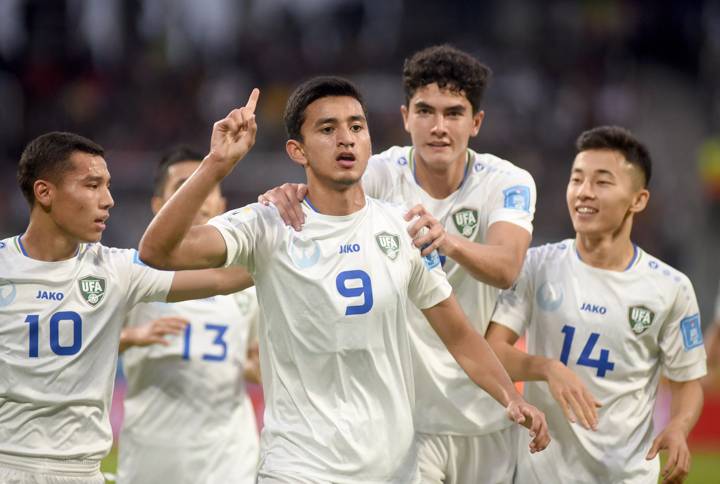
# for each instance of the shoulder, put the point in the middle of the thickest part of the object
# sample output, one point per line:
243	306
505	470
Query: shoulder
253	213
662	273
549	253
486	164
396	158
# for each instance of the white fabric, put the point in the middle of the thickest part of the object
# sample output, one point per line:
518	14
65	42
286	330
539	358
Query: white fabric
460	459
556	296
336	368
187	414
56	405
494	190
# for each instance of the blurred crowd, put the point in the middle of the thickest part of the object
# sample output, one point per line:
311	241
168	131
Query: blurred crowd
139	76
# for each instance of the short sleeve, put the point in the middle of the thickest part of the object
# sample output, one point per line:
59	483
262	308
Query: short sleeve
377	181
248	304
514	306
239	229
514	200
428	283
681	338
147	284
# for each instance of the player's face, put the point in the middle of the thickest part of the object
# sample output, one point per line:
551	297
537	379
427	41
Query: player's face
80	203
440	123
603	192
336	141
177	174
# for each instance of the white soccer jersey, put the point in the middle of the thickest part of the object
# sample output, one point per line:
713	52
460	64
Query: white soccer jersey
493	190
60	328
186	409
334	343
616	331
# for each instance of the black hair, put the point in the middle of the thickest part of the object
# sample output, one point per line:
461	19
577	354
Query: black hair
310	91
48	157
621	140
449	68
177	154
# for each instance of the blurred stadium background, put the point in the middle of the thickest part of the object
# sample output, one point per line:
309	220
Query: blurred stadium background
139	76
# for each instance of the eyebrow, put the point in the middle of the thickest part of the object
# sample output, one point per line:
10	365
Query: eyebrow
95	178
356	117
597	172
454	107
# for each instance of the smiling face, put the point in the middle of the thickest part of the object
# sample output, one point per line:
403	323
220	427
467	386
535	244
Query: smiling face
177	174
335	144
441	123
79	202
604	192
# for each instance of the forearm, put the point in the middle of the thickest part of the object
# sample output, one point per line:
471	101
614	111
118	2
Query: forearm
522	366
495	265
165	234
686	405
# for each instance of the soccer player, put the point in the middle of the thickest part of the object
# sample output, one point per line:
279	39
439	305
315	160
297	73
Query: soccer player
63	299
478	211
604	319
188	418
334	342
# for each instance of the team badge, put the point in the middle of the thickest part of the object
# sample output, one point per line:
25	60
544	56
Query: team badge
92	289
388	243
466	221
304	253
640	318
691	331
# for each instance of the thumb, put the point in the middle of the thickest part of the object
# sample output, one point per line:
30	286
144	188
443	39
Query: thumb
301	191
654	449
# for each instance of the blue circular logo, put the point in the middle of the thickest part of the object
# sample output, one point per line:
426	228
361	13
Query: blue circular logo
304	253
549	296
7	292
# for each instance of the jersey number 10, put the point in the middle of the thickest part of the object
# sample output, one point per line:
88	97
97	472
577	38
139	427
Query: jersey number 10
34	321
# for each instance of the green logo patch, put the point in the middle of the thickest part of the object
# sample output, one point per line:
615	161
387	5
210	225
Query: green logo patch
640	318
388	243
466	221
92	289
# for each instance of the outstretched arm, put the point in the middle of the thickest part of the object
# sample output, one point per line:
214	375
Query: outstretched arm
685	409
497	261
576	401
169	241
151	333
475	356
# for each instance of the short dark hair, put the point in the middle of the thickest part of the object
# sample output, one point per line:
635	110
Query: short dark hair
48	157
310	91
449	68
621	140
177	154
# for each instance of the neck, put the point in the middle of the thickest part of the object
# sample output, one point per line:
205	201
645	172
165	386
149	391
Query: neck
45	242
611	251
440	182
332	201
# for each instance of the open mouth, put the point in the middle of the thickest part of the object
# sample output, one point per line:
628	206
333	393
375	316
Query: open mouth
586	210
100	221
346	159
438	144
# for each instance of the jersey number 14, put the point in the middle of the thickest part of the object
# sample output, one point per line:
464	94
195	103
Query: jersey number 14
601	364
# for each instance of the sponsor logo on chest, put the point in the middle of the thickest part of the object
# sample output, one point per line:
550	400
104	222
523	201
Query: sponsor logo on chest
593	308
349	248
50	295
92	289
466	221
640	318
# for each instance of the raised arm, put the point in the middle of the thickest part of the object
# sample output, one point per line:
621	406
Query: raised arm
685	408
496	262
477	359
576	401
170	241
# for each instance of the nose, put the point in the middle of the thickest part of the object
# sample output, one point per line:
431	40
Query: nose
107	201
439	126
585	190
345	138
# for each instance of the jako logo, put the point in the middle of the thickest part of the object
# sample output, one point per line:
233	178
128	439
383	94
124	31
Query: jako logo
593	308
348	248
50	296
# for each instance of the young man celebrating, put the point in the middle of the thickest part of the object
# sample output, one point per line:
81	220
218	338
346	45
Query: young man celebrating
334	342
604	319
188	418
63	299
478	210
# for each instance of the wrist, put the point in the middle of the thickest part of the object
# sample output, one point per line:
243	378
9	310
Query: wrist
549	367
213	168
449	246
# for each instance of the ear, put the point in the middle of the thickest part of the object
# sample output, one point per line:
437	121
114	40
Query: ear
296	152
477	122
404	111
44	192
156	204
640	201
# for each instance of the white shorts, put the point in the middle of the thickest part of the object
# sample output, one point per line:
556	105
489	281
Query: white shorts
276	478
25	470
460	459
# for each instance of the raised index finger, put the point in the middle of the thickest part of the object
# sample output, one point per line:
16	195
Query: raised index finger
252	100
